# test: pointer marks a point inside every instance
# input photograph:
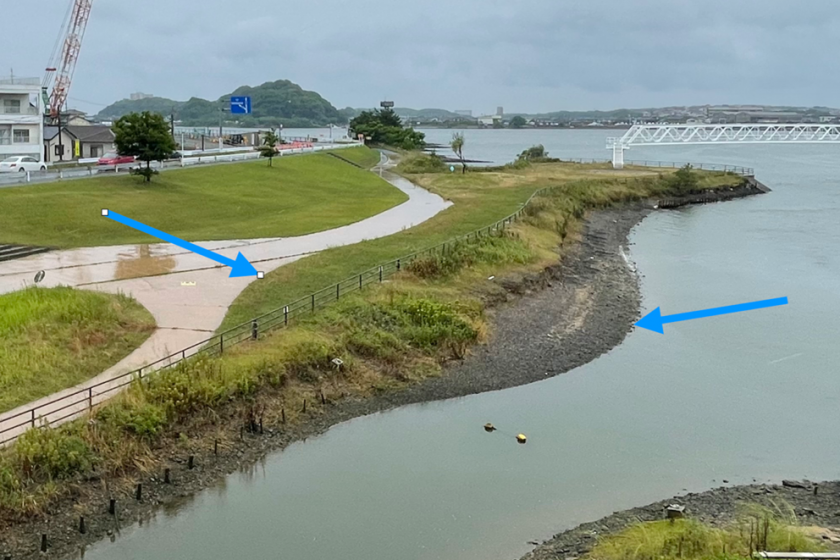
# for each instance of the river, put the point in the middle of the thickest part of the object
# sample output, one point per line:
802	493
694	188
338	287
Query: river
747	396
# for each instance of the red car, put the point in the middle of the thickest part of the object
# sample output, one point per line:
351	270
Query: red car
115	159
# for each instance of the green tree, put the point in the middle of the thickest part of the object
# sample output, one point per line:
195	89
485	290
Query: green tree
458	147
518	122
385	127
534	153
269	147
685	180
145	136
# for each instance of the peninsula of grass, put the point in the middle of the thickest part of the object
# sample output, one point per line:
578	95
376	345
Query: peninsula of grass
297	196
384	337
55	338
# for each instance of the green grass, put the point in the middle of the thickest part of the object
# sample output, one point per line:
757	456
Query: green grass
299	195
755	529
363	157
51	339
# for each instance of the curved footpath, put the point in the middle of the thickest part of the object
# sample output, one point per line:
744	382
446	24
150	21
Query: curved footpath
187	294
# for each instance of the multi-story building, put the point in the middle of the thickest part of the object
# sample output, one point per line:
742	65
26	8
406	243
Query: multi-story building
21	118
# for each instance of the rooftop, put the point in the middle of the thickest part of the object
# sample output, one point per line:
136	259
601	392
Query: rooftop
20	81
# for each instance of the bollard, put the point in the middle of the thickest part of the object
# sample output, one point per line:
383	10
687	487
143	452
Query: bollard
43	542
167	476
82	528
138	495
191	462
112	506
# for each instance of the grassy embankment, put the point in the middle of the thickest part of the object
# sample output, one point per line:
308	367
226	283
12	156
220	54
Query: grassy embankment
51	339
756	529
298	195
387	336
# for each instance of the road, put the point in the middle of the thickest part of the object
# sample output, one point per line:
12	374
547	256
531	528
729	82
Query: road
189	295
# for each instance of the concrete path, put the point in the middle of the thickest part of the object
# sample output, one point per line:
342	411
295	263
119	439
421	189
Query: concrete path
188	295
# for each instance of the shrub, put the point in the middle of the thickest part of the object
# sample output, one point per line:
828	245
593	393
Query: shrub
187	388
142	419
52	454
497	248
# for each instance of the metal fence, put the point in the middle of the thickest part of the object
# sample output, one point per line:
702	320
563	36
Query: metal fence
736	169
79	402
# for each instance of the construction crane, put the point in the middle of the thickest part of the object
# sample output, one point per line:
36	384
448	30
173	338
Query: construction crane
59	74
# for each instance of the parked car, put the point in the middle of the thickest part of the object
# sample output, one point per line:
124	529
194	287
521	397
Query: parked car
21	164
115	159
175	155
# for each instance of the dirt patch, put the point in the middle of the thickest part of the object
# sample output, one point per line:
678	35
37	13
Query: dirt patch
818	512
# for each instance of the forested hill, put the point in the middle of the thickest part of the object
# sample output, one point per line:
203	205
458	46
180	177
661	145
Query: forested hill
274	103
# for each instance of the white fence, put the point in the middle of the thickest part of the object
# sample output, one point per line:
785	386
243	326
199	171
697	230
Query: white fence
208	157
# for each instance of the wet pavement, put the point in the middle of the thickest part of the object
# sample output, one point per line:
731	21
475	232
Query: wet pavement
187	294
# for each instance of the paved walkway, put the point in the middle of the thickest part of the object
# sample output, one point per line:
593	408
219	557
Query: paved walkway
188	295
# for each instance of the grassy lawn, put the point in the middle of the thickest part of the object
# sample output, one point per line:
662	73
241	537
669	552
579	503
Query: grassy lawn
299	195
366	157
51	339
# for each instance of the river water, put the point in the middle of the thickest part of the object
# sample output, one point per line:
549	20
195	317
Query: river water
748	396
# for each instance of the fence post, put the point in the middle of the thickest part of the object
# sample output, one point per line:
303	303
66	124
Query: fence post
221	344
33	417
90	398
255	330
398	265
360	281
337	291
286	315
313	302
380	274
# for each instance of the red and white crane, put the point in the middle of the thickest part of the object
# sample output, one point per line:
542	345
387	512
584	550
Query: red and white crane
59	74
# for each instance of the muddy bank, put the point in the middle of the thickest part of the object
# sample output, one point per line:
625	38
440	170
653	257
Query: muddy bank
815	505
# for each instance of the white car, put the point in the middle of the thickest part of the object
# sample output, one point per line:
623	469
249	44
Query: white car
21	164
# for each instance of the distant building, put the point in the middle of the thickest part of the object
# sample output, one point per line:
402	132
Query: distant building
464	112
78	142
21	118
828	119
500	111
138	96
490	120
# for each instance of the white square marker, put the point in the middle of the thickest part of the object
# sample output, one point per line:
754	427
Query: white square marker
104	211
260	275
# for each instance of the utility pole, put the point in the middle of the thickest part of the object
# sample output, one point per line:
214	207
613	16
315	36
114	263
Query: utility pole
172	124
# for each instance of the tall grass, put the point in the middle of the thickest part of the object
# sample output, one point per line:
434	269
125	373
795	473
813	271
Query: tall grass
51	339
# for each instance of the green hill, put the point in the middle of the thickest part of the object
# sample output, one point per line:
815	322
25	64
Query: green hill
274	103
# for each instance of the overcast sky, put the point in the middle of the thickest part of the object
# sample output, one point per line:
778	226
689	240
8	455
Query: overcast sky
526	55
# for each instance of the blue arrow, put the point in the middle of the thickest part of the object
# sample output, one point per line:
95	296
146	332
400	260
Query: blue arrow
654	320
239	267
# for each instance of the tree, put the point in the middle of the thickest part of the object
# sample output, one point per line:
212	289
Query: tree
458	147
269	147
145	136
385	127
518	122
685	180
534	153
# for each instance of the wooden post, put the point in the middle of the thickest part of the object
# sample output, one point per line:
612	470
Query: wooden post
283	414
138	495
191	462
255	330
304	406
216	447
112	506
313	302
337	291
167	476
82	527
323	397
44	542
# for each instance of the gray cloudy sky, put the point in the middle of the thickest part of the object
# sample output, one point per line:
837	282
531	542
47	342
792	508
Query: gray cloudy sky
527	55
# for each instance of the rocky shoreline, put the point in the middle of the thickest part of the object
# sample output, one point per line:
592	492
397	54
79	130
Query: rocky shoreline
580	309
815	505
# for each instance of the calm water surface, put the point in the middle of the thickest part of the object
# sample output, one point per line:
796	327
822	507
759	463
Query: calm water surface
749	396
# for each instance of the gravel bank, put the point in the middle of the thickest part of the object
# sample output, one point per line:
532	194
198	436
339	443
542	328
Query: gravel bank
716	507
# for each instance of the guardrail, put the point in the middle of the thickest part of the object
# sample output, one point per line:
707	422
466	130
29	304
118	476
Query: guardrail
738	170
77	403
207	157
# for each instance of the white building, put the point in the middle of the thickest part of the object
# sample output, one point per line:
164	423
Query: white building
21	118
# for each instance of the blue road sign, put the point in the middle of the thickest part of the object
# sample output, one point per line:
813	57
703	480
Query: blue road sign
240	105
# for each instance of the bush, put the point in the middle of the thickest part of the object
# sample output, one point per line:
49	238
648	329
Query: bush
684	181
497	248
188	388
144	420
49	454
422	163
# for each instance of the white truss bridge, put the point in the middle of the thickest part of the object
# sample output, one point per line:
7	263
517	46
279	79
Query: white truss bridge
678	134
